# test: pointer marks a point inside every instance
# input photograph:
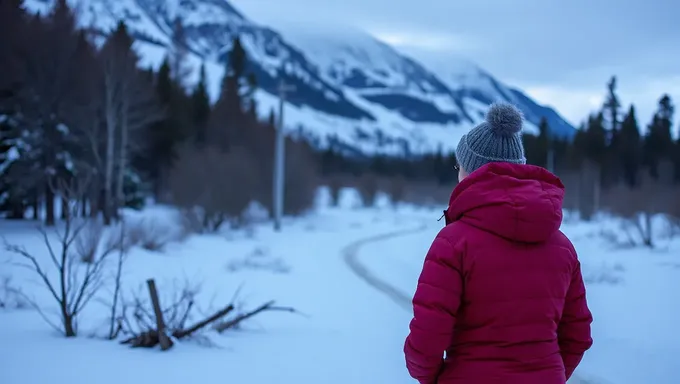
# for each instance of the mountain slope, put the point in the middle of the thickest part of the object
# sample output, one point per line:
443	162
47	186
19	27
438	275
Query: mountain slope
476	85
375	71
349	88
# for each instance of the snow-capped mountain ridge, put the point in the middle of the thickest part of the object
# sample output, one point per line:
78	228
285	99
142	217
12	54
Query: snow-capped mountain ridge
350	88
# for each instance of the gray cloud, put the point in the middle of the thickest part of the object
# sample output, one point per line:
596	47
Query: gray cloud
569	46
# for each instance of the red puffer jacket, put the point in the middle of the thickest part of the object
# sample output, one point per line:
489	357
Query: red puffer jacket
501	290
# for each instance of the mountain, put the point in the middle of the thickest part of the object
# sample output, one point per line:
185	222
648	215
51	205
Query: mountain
476	85
349	88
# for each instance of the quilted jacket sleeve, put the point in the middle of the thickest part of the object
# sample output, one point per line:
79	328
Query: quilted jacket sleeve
573	332
435	304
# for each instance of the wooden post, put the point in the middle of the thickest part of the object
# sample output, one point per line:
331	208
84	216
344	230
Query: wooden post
163	339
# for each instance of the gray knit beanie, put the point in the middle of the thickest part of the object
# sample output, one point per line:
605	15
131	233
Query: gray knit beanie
498	139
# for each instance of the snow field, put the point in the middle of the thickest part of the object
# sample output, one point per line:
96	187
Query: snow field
347	331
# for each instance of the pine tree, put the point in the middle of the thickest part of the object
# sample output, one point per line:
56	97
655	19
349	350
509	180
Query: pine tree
200	107
577	149
229	123
178	53
630	148
595	139
166	134
611	165
49	82
658	146
612	105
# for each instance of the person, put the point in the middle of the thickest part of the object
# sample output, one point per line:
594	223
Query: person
500	298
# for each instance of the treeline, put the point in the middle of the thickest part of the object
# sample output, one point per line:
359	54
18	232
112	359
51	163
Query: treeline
612	158
81	116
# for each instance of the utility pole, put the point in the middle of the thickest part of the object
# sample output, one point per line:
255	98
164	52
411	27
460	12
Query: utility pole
551	158
550	161
280	156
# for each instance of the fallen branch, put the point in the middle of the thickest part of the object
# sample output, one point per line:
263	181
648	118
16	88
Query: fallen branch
184	333
150	339
269	306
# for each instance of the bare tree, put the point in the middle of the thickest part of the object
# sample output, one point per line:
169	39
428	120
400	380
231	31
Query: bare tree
639	205
301	178
397	189
128	105
368	188
589	190
214	185
75	284
335	184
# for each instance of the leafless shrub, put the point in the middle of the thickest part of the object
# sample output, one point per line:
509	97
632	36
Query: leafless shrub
637	206
674	213
75	285
11	296
429	194
587	193
148	234
177	309
604	274
301	178
396	188
368	187
212	186
259	259
87	242
117	307
335	184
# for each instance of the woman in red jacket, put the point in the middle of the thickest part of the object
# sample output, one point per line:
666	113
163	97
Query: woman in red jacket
501	293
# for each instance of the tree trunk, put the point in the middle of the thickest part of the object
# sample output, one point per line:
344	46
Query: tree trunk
36	206
49	207
65	208
122	156
83	207
69	329
110	146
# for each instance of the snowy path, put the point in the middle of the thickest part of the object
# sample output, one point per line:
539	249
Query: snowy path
352	256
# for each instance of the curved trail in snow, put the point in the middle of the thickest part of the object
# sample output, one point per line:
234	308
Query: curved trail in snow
351	252
351	255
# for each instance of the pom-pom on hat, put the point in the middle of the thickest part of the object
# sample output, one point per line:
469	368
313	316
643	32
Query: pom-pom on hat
497	139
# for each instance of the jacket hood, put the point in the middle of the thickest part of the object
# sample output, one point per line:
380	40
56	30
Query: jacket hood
522	203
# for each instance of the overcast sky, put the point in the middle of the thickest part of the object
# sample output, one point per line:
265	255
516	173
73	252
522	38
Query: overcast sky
562	52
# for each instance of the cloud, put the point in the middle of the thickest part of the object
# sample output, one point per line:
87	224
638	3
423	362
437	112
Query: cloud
437	42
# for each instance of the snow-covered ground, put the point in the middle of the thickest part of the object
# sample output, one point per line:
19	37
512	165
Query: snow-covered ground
348	331
634	294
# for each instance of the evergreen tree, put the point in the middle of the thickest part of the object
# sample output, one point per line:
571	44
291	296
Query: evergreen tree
577	149
595	143
612	105
611	165
200	107
630	148
658	146
166	134
178	53
229	123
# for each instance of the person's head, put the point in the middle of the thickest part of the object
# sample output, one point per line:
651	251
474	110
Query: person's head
497	139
